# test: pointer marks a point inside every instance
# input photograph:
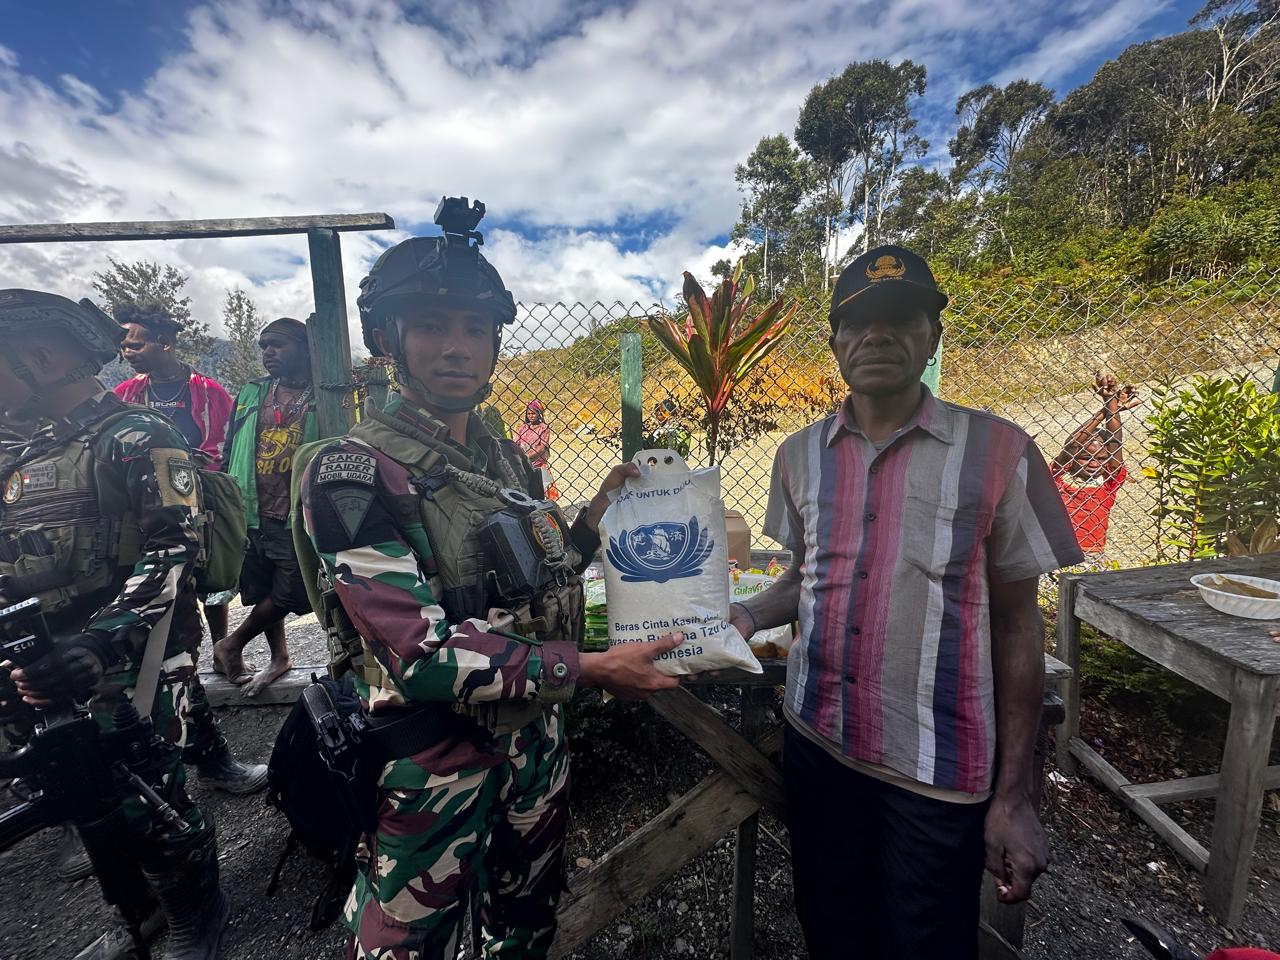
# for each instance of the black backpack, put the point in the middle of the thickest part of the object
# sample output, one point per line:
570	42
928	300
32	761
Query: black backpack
328	811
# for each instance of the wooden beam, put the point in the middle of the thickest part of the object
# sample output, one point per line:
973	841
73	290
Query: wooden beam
1067	651
1055	671
628	873
1185	845
735	755
327	332
223	693
742	926
190	229
1193	788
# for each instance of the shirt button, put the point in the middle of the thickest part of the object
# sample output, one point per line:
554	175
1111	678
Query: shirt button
875	468
868	517
851	678
855	630
560	670
862	574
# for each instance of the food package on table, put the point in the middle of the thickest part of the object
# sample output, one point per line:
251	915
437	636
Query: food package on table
596	636
665	559
775	642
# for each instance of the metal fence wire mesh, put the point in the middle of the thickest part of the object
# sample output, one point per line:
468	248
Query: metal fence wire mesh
1025	352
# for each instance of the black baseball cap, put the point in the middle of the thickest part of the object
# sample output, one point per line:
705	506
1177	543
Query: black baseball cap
885	271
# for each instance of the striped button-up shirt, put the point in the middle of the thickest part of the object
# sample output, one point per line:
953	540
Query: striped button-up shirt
899	544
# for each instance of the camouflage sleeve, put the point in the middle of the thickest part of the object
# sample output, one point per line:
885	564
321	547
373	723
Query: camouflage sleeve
384	575
149	474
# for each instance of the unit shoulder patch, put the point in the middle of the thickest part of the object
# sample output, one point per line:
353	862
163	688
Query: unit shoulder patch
175	477
344	466
351	506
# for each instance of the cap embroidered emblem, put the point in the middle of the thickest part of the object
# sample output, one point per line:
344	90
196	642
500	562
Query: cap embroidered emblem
886	268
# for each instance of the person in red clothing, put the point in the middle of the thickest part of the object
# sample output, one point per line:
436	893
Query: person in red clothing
534	438
1090	469
197	405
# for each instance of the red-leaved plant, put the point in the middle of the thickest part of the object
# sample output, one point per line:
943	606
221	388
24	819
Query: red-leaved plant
716	341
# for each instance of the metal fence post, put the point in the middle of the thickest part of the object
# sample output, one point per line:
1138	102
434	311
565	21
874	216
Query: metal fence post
933	375
327	333
632	367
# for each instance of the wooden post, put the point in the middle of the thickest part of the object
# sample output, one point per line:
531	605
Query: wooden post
1244	766
632	368
1067	650
742	929
327	333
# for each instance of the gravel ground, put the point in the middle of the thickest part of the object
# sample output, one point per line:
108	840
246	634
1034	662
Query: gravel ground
628	766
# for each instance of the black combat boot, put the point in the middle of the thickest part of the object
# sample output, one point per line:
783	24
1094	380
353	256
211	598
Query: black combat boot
218	768
209	751
117	943
183	872
133	910
71	860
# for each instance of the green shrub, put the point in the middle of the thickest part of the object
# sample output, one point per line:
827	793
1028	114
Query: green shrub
1215	458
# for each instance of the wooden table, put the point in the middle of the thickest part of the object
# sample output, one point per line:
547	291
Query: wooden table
1158	613
746	781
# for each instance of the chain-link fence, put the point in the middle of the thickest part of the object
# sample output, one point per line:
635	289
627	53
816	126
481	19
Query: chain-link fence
1025	352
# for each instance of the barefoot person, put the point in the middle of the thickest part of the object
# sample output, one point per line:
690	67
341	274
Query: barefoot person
273	417
200	408
389	509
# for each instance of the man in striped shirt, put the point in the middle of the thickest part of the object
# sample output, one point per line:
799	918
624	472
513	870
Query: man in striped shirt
919	530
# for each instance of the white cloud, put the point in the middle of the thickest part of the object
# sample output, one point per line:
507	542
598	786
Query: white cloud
570	120
1100	24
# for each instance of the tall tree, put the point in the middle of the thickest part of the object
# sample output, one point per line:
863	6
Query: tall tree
995	124
774	180
858	130
145	281
242	323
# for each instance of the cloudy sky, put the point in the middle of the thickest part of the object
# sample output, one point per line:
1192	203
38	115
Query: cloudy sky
602	135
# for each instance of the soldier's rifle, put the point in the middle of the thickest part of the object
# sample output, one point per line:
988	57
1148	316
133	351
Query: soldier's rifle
73	771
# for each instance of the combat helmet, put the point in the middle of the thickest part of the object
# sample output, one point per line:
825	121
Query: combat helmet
445	271
97	333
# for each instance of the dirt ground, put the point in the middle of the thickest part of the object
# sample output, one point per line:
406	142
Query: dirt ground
628	766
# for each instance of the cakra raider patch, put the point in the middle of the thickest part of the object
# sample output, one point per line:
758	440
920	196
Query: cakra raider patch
357	467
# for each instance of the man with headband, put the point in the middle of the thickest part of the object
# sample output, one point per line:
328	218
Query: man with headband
273	417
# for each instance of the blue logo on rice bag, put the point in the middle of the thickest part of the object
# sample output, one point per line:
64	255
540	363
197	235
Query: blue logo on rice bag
658	552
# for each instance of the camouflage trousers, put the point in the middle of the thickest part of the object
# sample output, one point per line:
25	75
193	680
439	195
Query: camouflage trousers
494	830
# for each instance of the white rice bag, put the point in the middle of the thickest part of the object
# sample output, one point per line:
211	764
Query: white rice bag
773	643
665	563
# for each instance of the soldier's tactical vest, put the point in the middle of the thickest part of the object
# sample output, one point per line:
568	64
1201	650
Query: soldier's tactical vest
454	505
55	541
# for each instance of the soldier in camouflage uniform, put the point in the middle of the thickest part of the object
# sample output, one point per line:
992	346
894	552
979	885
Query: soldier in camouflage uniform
97	519
483	810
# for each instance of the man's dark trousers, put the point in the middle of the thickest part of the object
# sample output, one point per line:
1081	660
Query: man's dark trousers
881	873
